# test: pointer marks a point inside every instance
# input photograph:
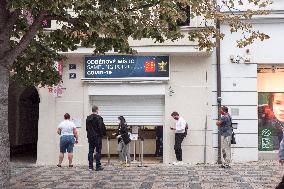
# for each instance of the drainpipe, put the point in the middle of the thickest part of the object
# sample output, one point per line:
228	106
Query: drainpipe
219	99
205	142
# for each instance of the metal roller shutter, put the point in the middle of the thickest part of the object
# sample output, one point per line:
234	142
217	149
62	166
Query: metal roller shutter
137	110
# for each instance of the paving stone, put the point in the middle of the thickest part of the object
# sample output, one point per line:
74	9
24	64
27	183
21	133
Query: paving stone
253	175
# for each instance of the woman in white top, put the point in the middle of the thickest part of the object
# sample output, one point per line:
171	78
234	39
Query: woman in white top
68	133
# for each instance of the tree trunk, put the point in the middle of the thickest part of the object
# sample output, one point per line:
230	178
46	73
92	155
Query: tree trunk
4	135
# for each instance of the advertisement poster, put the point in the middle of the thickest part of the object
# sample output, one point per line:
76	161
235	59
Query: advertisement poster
77	122
270	120
126	66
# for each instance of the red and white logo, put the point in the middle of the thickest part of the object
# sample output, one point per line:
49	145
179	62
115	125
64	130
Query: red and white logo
150	66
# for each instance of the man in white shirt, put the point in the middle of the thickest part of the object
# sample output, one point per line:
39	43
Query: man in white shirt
180	131
68	133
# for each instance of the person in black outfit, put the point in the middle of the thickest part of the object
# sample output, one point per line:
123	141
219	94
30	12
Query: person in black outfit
159	141
95	131
123	142
281	184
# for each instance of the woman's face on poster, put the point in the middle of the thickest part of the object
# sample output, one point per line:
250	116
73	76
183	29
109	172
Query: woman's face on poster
278	106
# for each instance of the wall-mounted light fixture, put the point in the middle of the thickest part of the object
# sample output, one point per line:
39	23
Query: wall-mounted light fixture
273	68
239	58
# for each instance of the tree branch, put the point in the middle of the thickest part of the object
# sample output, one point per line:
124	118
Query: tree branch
143	6
61	18
25	40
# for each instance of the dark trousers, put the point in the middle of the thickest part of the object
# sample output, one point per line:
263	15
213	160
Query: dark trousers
96	143
159	146
178	140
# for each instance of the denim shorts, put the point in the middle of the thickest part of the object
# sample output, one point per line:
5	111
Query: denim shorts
67	143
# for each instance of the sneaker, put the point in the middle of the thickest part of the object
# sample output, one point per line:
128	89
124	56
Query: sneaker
178	163
91	168
58	165
99	169
70	165
126	165
225	166
228	166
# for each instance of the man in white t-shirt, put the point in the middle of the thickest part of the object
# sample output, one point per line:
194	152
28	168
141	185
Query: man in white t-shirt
180	132
68	137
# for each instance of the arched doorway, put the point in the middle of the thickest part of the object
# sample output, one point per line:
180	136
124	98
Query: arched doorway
23	122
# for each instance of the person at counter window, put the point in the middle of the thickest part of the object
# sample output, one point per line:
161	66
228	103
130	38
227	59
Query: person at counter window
95	131
123	142
180	133
159	141
68	133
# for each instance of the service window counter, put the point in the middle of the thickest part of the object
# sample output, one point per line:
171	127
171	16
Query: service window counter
151	135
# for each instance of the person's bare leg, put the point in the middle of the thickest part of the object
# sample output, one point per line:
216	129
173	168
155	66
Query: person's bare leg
70	158
61	156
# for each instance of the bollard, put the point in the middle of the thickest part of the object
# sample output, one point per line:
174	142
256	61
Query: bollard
142	147
134	151
108	152
139	151
142	154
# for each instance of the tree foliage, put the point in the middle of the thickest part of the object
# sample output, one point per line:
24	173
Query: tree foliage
107	25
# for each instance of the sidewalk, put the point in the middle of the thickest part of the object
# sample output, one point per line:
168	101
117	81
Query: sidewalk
253	175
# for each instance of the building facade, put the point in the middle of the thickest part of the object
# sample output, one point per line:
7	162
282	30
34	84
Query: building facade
249	75
145	102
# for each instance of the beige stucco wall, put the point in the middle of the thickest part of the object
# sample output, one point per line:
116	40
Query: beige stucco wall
51	113
191	99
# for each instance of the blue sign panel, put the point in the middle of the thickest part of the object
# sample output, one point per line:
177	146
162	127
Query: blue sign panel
120	66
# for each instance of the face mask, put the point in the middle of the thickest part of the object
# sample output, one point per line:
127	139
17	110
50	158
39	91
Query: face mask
176	118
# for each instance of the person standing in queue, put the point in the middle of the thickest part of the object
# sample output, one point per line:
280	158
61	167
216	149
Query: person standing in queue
95	131
68	137
180	133
226	131
123	142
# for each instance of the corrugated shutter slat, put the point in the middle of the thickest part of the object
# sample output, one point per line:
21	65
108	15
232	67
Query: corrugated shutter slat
137	110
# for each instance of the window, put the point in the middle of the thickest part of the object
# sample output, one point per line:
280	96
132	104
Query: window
186	12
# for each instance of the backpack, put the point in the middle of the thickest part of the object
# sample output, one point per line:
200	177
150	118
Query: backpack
233	139
125	135
186	128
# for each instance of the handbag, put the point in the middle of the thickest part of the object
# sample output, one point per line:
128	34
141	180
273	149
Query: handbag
185	130
233	139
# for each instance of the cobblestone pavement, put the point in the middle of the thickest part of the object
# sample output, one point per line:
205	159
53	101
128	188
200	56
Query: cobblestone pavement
254	175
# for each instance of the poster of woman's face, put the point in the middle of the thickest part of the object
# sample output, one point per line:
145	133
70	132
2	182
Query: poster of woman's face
270	120
278	105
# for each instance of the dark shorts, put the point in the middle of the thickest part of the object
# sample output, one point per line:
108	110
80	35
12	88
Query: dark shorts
67	143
